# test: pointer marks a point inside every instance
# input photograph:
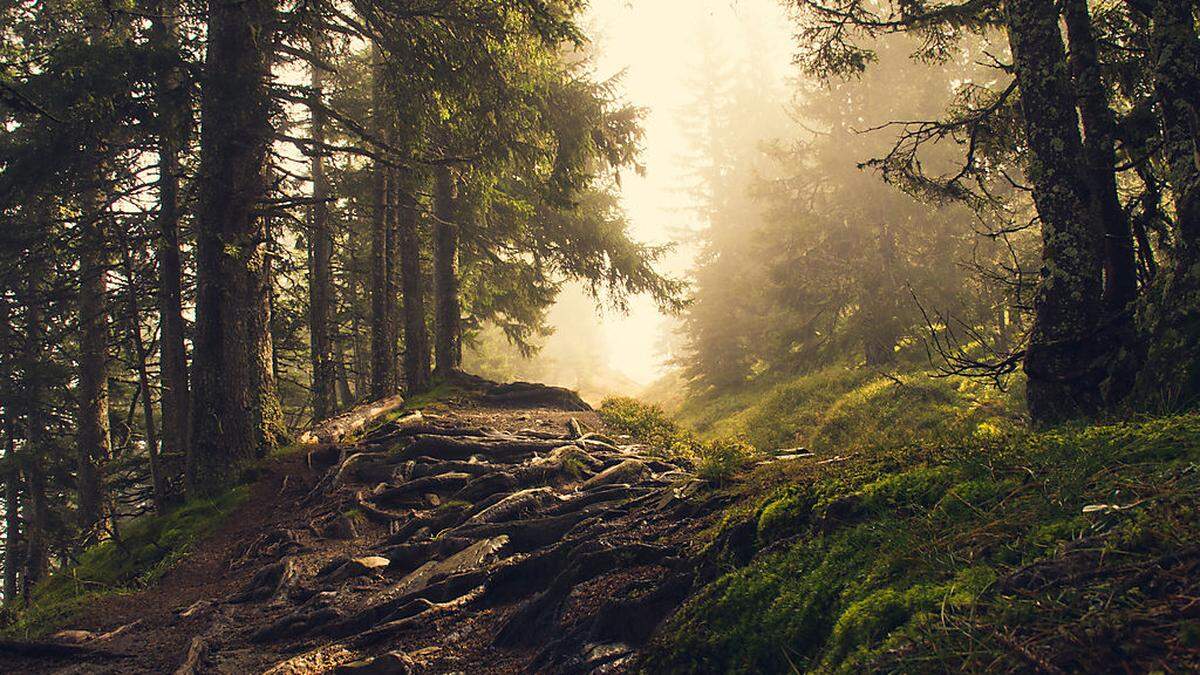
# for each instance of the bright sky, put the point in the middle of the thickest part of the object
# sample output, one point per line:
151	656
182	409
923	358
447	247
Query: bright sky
657	43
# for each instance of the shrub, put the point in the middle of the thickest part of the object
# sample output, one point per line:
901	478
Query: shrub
715	460
718	460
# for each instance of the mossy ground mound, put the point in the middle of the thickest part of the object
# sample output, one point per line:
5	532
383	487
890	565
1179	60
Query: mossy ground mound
146	548
969	545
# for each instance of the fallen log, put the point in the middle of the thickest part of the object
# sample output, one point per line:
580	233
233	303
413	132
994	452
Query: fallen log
335	429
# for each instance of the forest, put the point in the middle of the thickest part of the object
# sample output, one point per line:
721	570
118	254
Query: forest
570	336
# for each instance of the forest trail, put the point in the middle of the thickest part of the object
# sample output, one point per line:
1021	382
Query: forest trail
502	533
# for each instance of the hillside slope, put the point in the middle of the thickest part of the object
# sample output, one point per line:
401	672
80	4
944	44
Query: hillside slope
923	529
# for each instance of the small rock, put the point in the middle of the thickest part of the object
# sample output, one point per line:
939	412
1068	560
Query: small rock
73	636
628	471
358	567
392	663
342	528
195	608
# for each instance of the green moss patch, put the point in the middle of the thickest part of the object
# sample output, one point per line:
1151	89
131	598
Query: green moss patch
147	548
1078	545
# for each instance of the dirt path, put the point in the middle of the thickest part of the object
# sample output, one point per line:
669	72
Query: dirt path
475	539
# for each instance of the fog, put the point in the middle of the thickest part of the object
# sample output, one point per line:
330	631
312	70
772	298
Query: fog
659	49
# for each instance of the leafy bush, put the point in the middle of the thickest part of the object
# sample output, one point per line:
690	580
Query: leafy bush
715	460
719	460
647	424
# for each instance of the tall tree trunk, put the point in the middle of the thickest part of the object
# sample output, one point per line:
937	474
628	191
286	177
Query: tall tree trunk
448	309
37	558
1066	345
37	539
383	346
138	348
12	506
1176	53
345	396
93	436
320	251
268	416
232	337
391	274
11	470
361	357
879	303
412	285
174	113
1170	375
1099	128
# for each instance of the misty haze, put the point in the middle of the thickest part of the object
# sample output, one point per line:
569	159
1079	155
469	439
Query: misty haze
599	336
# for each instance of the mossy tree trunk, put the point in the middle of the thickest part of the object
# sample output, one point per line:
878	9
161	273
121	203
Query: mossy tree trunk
412	283
448	309
1064	360
320	251
1099	128
383	346
1170	376
234	397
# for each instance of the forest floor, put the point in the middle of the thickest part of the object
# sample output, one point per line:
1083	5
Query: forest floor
872	525
475	537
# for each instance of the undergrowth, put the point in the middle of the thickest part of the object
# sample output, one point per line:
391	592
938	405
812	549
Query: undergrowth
931	532
146	549
840	408
714	459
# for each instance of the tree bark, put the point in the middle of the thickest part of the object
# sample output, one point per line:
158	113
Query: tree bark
231	387
1066	345
1176	53
1099	129
412	285
448	308
37	547
174	112
882	331
12	506
391	274
11	469
383	346
320	249
93	439
268	416
345	396
1170	375
37	557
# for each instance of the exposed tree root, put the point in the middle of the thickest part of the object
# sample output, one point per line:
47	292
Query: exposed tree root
504	524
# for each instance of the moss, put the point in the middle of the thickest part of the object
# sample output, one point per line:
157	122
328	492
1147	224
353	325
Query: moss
916	488
893	552
147	548
785	515
839	408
